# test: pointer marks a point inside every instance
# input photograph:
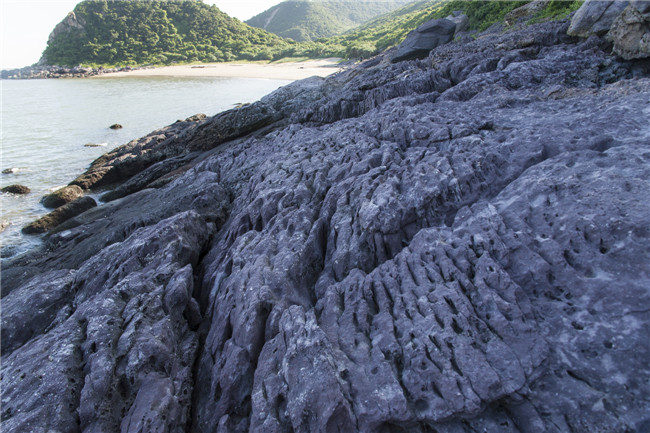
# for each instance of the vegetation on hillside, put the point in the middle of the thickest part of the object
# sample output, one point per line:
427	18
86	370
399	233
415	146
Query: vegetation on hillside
392	28
305	20
141	32
159	32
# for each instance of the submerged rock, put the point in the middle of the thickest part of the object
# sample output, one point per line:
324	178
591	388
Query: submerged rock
16	189
62	196
59	215
115	126
456	244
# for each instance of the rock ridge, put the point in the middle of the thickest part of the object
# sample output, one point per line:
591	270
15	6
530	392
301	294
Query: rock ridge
452	244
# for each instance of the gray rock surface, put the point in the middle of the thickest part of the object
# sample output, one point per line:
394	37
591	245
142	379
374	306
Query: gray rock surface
457	244
422	40
630	32
460	19
596	17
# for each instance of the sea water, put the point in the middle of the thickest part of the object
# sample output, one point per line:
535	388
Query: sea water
46	125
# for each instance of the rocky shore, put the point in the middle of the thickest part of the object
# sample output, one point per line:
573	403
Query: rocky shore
46	71
455	243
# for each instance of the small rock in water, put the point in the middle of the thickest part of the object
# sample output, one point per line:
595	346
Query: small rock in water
62	196
16	189
60	215
115	126
94	144
11	170
3	225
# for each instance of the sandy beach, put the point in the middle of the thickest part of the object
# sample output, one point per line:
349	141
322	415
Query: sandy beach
277	71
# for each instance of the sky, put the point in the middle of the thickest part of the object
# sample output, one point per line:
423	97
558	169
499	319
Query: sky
26	24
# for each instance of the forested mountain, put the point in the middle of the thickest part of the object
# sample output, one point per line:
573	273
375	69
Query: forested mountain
304	20
139	32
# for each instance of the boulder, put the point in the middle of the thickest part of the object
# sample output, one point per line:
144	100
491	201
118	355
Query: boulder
422	40
630	32
460	19
524	12
62	196
11	170
16	189
595	17
59	215
115	126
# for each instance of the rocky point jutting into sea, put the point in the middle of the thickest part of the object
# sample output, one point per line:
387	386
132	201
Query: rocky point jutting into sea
457	243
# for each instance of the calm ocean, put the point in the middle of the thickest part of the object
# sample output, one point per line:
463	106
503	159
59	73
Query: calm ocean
46	123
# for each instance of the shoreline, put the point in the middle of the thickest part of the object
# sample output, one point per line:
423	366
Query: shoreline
276	70
279	70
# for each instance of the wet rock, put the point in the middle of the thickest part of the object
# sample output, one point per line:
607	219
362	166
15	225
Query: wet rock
630	33
11	170
62	196
422	40
94	144
595	17
116	126
60	215
16	189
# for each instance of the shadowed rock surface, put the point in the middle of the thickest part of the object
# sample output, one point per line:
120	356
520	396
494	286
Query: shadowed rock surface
59	215
429	35
456	244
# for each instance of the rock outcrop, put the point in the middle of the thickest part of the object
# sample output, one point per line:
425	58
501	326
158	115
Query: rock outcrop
62	196
596	17
16	189
41	71
60	215
630	31
419	43
625	24
454	244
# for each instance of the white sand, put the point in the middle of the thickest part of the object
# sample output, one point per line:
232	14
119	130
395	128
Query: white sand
276	70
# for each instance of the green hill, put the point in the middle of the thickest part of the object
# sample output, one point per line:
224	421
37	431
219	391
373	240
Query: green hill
138	32
391	29
305	20
111	32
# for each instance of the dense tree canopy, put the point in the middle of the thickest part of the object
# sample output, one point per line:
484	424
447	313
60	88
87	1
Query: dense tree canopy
137	32
152	31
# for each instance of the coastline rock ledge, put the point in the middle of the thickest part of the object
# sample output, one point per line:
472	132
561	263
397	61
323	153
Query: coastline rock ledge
451	244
